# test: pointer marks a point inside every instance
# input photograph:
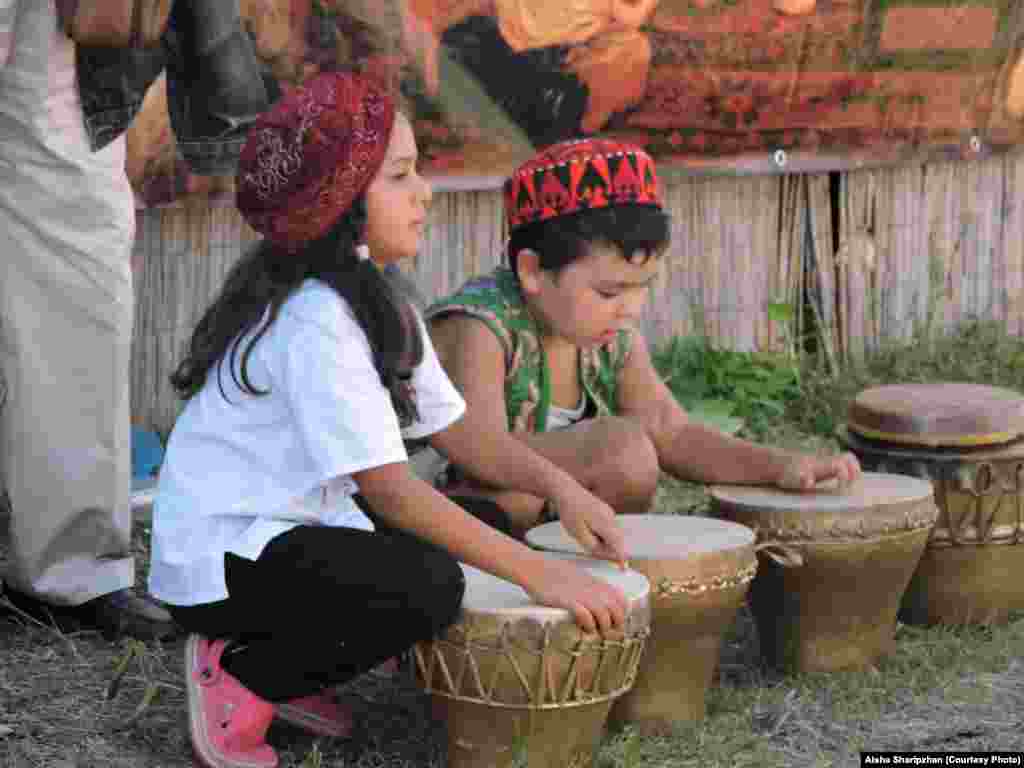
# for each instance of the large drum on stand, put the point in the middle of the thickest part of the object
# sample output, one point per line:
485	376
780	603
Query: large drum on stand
699	570
832	603
966	439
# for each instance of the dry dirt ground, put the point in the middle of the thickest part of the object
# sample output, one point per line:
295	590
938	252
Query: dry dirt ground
55	711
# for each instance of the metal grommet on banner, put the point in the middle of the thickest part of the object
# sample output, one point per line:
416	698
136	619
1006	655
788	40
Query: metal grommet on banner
780	158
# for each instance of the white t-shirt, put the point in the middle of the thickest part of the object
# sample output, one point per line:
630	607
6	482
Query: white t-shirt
239	471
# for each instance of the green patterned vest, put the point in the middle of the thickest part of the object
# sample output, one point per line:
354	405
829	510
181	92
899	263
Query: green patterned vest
497	301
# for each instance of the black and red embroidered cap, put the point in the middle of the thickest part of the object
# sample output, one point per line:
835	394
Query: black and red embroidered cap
580	175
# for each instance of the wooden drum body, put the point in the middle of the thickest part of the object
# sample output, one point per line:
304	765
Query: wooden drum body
966	440
855	551
513	679
699	571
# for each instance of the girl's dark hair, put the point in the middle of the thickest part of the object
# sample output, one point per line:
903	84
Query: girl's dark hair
562	240
264	279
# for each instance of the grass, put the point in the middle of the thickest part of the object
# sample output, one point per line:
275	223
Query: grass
941	689
941	686
977	352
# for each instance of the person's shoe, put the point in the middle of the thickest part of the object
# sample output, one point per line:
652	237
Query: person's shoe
119	613
227	722
320	714
31	606
126	612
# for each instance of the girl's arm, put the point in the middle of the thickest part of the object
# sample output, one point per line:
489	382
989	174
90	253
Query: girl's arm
407	502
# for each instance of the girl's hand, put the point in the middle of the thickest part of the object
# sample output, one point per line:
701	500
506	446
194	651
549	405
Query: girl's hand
596	605
591	522
803	473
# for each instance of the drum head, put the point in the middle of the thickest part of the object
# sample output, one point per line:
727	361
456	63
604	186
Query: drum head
651	537
872	490
877	503
944	414
487	594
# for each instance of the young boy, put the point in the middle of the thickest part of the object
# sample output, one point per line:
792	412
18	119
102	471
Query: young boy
545	354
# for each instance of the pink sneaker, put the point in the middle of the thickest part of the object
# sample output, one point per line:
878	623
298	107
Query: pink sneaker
320	714
227	722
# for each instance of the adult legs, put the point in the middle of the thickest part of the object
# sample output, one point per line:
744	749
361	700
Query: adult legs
64	453
67	215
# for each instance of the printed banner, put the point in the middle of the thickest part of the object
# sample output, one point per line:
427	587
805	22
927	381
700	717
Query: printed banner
707	86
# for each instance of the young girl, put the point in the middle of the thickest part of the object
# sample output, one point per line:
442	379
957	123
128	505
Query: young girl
290	538
549	362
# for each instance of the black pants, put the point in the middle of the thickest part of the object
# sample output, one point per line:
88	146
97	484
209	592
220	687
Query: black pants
323	605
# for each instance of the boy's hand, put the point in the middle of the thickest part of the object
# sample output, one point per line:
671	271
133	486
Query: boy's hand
596	605
591	522
803	473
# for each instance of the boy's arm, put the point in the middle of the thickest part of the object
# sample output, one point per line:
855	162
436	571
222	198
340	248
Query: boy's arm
690	450
480	442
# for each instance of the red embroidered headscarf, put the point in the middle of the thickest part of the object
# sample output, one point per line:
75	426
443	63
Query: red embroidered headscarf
310	155
580	175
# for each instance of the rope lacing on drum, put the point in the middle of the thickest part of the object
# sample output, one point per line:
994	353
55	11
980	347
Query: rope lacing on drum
976	525
466	683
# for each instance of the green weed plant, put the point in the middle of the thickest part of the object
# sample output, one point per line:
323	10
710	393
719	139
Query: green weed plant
728	389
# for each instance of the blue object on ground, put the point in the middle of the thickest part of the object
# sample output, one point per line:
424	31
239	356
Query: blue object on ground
147	453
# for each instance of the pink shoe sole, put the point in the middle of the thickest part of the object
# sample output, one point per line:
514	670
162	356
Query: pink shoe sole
314	723
201	743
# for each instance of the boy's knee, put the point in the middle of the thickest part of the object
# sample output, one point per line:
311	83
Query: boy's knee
626	470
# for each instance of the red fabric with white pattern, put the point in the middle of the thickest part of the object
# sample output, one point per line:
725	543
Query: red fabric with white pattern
310	155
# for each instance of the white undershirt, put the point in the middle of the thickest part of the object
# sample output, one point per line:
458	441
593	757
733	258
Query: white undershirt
560	418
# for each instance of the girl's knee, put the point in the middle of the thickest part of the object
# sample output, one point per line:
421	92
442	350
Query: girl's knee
444	584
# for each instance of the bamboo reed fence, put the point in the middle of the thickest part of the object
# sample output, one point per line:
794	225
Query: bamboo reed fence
859	257
923	249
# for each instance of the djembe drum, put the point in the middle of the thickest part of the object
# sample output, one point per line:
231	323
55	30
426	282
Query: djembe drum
512	678
966	440
834	605
699	570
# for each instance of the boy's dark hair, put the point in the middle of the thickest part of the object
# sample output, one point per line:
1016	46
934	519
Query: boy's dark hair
562	240
264	279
